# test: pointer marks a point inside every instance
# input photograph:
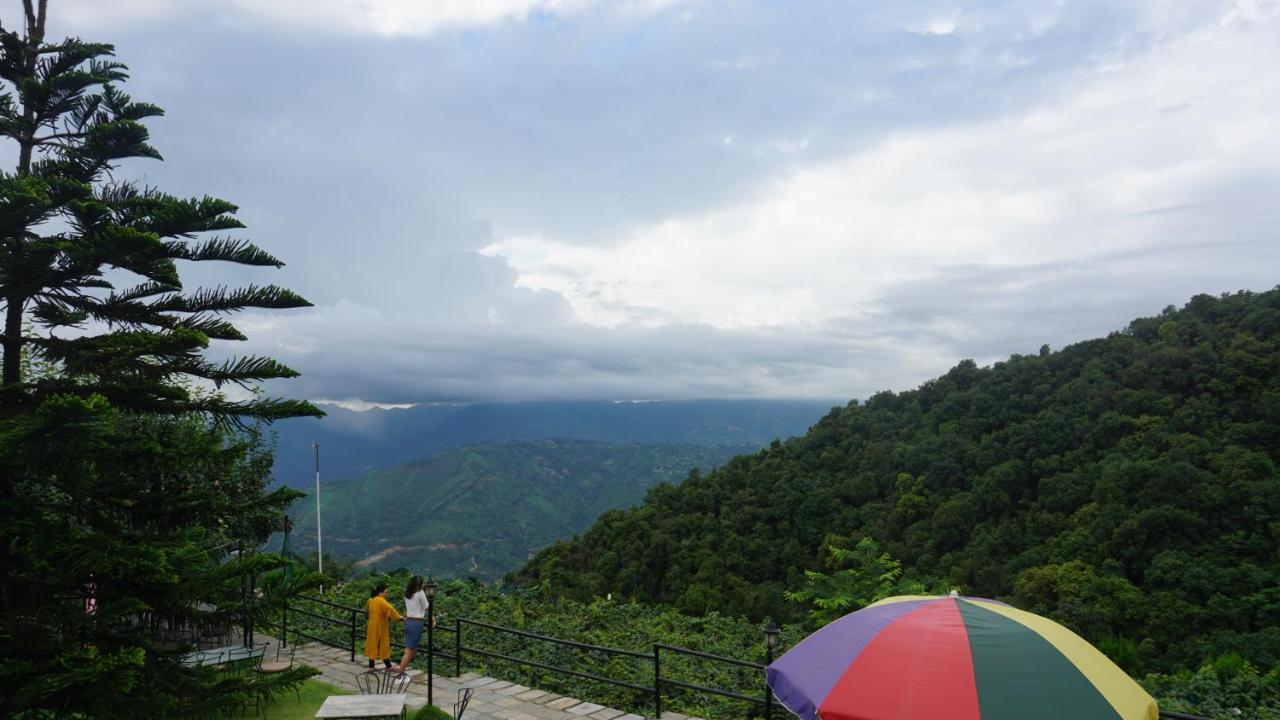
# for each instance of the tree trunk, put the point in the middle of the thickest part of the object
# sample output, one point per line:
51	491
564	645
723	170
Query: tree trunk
12	347
14	304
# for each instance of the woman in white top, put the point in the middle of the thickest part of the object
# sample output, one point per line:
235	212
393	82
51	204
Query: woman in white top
415	611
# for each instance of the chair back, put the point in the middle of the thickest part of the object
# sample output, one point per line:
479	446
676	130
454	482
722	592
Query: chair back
203	657
244	661
382	682
293	652
464	697
397	682
258	655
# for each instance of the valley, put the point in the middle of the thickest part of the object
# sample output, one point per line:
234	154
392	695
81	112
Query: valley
484	509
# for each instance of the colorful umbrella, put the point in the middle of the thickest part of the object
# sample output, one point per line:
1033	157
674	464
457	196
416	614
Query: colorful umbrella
952	658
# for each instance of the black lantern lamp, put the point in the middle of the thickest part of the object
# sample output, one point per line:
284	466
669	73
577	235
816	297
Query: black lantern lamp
770	642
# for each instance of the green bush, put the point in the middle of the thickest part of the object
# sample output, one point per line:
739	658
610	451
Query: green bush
1226	682
1227	688
609	623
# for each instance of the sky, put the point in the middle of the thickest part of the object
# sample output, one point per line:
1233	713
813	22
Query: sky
518	200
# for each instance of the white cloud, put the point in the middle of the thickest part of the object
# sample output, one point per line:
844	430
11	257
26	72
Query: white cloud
358	405
1072	179
745	62
819	252
936	25
1252	10
366	17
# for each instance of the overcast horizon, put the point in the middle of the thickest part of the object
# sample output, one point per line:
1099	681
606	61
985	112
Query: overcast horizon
514	200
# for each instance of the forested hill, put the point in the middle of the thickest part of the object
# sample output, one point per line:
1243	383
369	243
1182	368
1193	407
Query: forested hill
1127	486
483	509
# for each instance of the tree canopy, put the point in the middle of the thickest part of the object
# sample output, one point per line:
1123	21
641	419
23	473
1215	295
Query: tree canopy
1125	486
131	497
89	262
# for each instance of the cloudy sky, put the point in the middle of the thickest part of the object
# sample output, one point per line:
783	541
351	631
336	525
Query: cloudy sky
536	199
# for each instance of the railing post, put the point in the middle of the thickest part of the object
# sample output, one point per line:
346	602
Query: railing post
431	650
457	647
284	624
353	634
657	683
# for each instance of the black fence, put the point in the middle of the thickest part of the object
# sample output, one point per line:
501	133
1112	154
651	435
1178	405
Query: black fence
353	620
460	649
465	632
765	702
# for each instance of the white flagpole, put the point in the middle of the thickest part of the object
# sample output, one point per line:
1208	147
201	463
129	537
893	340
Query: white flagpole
319	536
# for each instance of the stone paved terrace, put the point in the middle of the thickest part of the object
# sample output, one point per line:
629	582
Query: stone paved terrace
494	699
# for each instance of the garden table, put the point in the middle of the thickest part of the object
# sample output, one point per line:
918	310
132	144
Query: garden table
363	706
217	656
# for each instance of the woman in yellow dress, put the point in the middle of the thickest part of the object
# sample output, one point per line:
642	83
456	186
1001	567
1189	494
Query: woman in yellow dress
377	636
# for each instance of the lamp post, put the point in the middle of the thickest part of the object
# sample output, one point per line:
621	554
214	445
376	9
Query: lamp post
430	587
770	640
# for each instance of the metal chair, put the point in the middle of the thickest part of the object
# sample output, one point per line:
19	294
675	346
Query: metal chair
203	657
464	697
279	666
243	663
382	682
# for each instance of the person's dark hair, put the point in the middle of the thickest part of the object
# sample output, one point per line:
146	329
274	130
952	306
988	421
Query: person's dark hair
412	588
377	589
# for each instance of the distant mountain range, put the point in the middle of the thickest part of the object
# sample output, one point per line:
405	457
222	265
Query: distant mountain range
352	443
482	510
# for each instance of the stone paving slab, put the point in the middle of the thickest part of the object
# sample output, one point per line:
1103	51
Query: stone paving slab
494	699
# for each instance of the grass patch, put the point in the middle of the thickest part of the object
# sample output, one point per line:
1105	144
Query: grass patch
287	706
430	712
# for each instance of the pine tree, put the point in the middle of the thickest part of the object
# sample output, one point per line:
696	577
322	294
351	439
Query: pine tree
69	227
131	499
127	537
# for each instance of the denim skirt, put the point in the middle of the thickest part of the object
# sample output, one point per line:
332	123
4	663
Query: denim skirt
412	633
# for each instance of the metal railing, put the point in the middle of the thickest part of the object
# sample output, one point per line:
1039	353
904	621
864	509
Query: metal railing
460	649
353	619
764	702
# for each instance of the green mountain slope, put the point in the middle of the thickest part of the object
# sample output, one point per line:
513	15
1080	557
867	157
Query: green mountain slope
1126	486
483	509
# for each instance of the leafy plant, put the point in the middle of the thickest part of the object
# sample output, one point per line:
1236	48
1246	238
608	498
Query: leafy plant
1226	683
604	622
1227	688
860	576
